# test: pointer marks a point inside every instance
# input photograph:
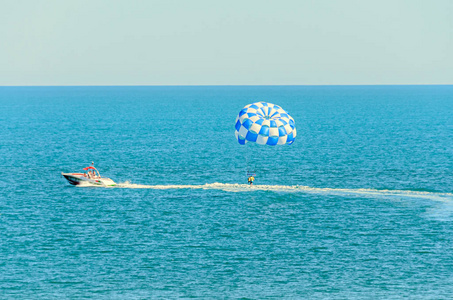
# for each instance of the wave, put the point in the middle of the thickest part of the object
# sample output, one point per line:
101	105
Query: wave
229	187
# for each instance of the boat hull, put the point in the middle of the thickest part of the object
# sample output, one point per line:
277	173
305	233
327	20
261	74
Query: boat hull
80	180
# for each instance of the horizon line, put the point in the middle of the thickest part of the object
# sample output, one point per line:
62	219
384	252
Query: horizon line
222	85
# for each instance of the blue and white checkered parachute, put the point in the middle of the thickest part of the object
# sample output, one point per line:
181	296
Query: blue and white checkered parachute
265	124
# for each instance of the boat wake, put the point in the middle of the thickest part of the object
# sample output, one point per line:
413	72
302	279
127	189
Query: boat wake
228	187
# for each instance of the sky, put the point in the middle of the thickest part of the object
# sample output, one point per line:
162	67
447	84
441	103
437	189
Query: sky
233	42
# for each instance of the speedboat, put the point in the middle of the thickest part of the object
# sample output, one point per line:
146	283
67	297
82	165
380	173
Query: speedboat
91	178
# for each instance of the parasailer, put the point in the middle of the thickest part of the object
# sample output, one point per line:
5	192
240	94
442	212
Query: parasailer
251	179
265	123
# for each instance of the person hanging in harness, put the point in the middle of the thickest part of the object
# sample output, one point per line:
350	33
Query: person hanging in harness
250	180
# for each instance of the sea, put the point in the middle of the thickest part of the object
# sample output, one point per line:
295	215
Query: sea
360	206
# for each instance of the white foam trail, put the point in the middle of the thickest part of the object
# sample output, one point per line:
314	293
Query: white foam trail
294	189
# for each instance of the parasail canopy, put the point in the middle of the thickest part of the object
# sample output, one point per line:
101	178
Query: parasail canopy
265	124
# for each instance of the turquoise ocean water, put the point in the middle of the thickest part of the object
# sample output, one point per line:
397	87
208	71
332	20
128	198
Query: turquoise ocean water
359	207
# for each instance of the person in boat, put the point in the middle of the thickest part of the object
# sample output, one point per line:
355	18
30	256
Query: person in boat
250	179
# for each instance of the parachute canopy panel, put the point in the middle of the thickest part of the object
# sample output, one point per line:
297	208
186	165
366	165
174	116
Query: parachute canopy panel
265	124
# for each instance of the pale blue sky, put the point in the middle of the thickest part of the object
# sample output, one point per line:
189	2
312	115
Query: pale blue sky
234	42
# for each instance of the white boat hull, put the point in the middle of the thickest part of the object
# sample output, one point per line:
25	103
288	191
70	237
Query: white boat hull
81	180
